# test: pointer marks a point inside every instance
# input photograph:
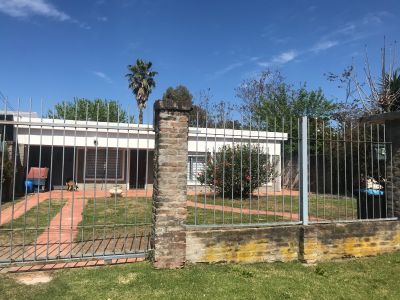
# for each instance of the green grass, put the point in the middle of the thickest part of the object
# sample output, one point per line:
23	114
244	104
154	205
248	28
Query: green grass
32	224
371	278
320	206
113	217
109	217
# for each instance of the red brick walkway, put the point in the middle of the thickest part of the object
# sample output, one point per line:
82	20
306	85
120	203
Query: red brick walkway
22	207
62	231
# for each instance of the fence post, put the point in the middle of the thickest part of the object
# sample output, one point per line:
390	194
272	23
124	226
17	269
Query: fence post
304	171
169	189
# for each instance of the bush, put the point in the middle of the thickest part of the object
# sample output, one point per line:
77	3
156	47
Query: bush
179	94
7	179
237	171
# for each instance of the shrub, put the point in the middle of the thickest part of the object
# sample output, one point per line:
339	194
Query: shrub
179	94
237	171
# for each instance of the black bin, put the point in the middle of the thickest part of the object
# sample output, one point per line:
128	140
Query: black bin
371	204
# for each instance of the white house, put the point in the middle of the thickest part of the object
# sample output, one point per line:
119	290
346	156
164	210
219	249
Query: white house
99	152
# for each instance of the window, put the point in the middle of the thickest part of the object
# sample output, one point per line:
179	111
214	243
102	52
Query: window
105	165
195	166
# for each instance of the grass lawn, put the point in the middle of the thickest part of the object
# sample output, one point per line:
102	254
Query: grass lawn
119	217
115	217
32	224
371	278
320	206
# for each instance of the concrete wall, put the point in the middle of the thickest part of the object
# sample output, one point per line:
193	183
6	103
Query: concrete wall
313	243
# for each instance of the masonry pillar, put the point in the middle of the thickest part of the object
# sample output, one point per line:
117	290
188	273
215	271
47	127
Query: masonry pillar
169	190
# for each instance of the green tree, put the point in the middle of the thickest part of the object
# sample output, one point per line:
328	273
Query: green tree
141	82
237	171
91	110
269	103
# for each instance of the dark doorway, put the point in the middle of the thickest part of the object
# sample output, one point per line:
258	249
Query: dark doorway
141	162
45	154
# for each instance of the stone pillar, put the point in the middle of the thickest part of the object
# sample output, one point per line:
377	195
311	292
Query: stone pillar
169	190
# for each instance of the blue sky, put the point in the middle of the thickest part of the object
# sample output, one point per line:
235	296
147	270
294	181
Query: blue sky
56	50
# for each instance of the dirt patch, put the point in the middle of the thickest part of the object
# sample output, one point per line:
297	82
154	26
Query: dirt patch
33	278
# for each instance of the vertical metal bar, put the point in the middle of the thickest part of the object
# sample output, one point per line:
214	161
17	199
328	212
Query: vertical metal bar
290	136
223	170
84	176
250	167
3	143
116	181
62	184
38	191
26	178
352	169
14	186
358	172
303	171
316	168
345	168
323	168
274	166
74	180
372	169
385	166
50	187
127	169
331	167
215	168
196	159
282	169
258	170
95	183
105	177
205	174
233	167
378	169
338	167
366	170
241	171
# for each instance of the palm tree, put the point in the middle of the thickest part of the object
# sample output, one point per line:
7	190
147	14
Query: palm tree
141	82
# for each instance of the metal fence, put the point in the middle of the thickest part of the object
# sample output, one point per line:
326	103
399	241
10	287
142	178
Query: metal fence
82	188
281	171
74	189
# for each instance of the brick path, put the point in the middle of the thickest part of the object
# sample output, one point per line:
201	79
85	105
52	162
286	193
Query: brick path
56	241
22	207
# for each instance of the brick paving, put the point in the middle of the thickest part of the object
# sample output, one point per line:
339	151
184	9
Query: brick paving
59	241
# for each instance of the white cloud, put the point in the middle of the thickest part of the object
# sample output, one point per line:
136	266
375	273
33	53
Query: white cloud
42	8
280	59
102	76
25	8
324	45
285	57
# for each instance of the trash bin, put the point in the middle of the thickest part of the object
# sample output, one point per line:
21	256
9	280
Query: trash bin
29	186
371	203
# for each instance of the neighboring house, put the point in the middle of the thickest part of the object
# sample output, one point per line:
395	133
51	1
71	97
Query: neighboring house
124	152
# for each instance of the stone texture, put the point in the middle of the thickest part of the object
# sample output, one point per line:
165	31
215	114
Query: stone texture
169	187
309	244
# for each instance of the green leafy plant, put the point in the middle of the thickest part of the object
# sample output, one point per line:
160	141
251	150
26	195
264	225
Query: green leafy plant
238	170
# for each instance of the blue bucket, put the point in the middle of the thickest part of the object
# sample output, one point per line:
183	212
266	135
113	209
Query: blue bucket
29	186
